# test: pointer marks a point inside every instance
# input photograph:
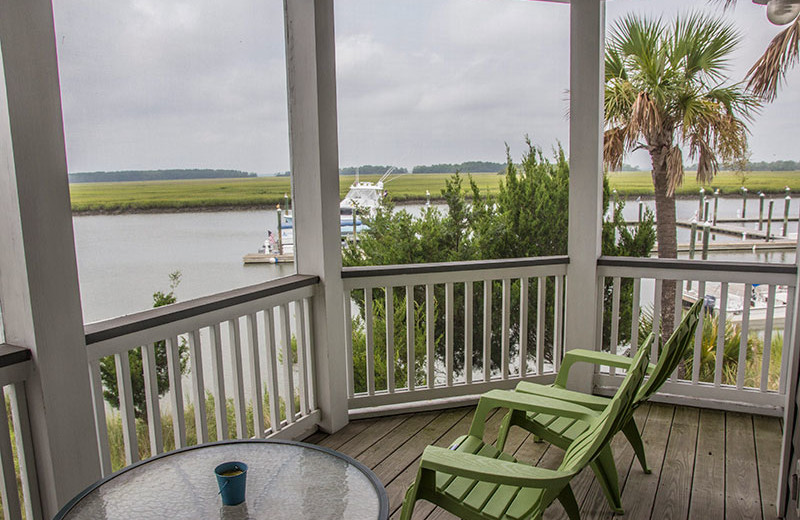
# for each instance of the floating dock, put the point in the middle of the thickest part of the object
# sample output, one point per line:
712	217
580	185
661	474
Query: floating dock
268	258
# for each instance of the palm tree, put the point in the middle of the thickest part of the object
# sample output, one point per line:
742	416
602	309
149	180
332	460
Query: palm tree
666	93
782	53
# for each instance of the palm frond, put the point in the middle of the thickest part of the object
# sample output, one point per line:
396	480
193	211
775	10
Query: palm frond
645	118
614	147
704	44
769	71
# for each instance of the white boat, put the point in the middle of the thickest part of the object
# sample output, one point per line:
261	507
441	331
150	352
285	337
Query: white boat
362	199
758	303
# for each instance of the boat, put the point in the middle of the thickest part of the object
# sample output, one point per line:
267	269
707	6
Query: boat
757	308
362	200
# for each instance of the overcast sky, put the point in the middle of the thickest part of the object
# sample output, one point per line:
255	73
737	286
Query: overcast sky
153	84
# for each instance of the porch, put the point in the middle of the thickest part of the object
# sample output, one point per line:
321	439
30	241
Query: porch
707	464
305	354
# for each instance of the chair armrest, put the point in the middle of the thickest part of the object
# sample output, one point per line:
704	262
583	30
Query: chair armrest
593	402
526	403
596	358
487	469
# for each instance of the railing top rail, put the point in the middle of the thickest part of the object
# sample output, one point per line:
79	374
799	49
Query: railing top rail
697	265
115	327
448	267
12	355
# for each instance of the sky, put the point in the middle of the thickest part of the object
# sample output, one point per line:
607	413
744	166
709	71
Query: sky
158	84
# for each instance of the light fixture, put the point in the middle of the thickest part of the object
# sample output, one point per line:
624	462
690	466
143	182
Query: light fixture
781	12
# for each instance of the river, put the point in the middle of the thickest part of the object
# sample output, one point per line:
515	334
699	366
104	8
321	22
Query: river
123	259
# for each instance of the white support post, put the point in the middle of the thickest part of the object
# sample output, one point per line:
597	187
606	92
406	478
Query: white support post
41	306
587	34
790	442
311	81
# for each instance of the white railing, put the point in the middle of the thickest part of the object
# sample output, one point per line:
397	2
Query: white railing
451	330
738	360
19	486
242	340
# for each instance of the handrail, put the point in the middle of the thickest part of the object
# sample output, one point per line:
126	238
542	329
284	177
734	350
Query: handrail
696	265
123	325
13	355
448	267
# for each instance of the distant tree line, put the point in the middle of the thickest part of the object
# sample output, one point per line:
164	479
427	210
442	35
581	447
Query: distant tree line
371	169
156	175
628	168
465	167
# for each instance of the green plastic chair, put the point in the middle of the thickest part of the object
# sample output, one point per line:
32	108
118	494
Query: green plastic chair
478	481
560	429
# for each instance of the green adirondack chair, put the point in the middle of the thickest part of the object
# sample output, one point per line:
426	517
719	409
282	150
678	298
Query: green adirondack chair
560	429
477	481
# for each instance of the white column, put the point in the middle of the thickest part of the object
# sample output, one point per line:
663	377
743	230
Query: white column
587	34
39	294
311	80
790	443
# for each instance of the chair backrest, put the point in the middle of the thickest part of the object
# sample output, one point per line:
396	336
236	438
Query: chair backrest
673	351
587	445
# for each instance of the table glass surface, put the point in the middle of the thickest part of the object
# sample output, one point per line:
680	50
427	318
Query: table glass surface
290	481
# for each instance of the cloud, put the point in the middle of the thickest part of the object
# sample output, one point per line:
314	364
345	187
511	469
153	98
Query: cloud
201	83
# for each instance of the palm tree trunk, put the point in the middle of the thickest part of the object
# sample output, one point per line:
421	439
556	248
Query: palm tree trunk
666	235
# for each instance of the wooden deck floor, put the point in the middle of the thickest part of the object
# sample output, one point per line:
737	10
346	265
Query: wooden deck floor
706	464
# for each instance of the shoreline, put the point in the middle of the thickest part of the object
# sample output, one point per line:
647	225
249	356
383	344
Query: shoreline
270	206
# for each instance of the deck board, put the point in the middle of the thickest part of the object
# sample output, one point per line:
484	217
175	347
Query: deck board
706	464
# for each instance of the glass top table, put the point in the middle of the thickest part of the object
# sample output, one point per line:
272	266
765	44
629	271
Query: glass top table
285	480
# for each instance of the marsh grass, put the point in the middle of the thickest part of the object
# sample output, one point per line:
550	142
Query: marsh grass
269	191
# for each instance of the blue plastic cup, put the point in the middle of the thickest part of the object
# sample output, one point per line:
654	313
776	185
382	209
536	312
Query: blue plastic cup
232	480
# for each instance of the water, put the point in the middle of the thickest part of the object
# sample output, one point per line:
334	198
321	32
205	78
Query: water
123	259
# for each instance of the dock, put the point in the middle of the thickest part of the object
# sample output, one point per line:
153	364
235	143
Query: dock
736	231
268	258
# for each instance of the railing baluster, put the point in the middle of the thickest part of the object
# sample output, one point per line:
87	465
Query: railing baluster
657	290
126	408
101	427
348	343
768	325
251	329
198	386
698	336
176	391
429	335
272	370
288	365
506	325
311	366
150	373
24	442
239	406
787	335
411	363
614	319
637	294
558	319
218	380
468	323
720	354
302	356
523	327
8	490
370	341
390	358
487	330
600	313
678	317
540	326
448	332
745	332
